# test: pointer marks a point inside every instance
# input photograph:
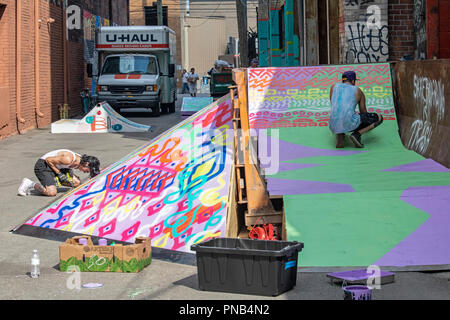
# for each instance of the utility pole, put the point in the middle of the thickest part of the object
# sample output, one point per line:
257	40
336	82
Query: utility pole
159	12
185	34
241	12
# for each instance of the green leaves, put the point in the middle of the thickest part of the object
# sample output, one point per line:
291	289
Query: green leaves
101	264
130	266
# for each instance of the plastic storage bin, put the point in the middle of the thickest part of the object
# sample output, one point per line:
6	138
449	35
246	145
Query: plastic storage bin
260	267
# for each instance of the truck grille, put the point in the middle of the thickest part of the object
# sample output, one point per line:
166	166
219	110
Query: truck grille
126	89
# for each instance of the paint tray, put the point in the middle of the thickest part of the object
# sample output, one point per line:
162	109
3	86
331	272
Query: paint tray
359	276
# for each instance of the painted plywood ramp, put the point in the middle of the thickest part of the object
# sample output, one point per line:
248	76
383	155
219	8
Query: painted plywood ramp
173	190
382	205
192	105
101	119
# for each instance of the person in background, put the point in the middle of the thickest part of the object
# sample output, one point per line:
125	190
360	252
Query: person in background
184	77
344	118
193	78
254	63
52	169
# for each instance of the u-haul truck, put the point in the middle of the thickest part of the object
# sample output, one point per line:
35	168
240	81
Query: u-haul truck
135	67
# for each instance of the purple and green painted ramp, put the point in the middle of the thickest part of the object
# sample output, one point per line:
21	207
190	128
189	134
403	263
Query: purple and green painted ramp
382	204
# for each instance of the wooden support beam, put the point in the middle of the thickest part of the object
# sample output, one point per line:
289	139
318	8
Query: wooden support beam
312	33
241	12
334	31
258	200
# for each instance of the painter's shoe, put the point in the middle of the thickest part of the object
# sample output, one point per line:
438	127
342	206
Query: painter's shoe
340	138
356	139
26	185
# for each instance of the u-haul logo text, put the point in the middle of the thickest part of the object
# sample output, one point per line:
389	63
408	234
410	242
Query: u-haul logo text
127	37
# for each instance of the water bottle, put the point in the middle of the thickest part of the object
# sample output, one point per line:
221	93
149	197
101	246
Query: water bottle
35	265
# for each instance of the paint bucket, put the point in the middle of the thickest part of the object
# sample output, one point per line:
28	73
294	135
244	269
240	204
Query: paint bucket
357	293
102	242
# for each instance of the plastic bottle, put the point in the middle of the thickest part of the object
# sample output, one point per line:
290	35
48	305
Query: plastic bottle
35	262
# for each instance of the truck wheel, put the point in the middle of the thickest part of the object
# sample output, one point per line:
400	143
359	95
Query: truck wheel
164	108
172	107
156	111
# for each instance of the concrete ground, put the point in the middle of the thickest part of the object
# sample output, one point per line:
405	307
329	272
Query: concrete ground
162	280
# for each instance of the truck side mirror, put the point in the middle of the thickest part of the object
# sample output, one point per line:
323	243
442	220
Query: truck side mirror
171	70
89	70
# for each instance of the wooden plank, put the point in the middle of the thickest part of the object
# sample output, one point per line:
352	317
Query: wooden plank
241	10
273	219
312	33
243	233
334	31
239	189
257	195
232	227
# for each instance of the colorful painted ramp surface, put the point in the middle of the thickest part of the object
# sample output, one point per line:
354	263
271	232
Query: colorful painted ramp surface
382	205
101	119
173	190
191	105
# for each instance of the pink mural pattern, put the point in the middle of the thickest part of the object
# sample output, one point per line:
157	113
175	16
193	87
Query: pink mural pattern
172	190
300	96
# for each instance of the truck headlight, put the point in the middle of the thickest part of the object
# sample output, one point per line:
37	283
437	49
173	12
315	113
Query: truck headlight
102	88
151	88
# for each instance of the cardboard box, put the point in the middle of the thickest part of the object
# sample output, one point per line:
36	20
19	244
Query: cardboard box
94	258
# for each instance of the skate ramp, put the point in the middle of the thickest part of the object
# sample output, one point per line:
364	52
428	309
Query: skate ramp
101	119
382	205
191	105
173	190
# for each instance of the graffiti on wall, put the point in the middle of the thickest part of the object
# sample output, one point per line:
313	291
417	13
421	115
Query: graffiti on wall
357	2
420	48
90	23
366	45
174	190
430	94
366	31
300	96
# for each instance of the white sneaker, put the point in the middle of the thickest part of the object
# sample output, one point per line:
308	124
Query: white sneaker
26	185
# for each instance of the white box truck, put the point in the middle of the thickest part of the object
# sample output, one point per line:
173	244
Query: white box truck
135	67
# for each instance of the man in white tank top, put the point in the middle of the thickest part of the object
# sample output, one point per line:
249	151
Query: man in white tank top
56	164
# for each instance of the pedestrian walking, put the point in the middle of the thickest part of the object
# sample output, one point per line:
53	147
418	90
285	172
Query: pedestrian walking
184	78
193	78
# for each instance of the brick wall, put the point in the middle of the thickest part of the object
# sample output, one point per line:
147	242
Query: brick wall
366	31
51	61
401	28
116	11
137	15
137	18
444	29
7	67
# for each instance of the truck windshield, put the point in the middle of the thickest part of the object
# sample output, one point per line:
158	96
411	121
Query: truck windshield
130	65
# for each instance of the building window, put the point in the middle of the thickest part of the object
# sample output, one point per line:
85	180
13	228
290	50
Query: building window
151	15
